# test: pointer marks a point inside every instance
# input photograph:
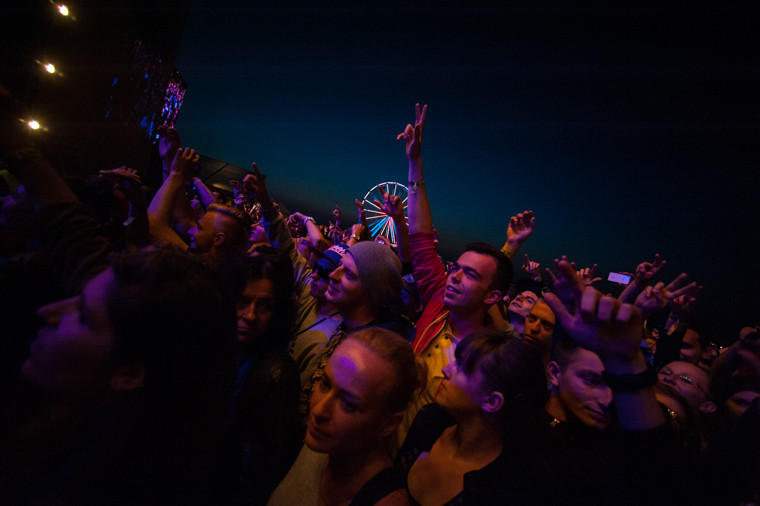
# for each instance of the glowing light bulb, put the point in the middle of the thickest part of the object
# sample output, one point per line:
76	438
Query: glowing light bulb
63	10
34	125
50	68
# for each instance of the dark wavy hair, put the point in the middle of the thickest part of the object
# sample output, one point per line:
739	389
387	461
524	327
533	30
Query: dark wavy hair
274	265
508	365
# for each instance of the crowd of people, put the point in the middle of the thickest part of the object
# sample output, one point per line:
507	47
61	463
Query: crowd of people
178	346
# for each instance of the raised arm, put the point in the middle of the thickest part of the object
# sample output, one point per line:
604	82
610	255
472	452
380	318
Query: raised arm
359	233
255	186
655	298
393	206
316	238
161	207
205	194
183	215
613	331
361	213
420	217
520	228
168	144
533	269
588	275
645	273
336	215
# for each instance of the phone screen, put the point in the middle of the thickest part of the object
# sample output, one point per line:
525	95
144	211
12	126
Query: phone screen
619	278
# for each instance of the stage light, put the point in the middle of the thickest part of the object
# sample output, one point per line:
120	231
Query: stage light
33	124
49	68
62	10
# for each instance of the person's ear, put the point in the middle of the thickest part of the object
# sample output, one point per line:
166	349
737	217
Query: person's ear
493	297
493	402
554	374
127	377
218	238
708	407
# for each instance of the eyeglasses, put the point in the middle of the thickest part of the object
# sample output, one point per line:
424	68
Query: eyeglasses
667	371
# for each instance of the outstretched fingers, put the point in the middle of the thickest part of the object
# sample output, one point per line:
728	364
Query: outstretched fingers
257	171
588	304
679	282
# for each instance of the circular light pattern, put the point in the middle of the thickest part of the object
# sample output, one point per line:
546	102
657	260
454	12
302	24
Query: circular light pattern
63	10
34	125
378	222
50	68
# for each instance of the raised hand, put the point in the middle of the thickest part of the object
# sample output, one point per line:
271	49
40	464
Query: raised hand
413	134
168	142
336	215
297	219
683	300
655	298
185	163
255	184
520	228
121	173
335	234
602	324
646	271
294	224
565	283
532	268
360	212
651	300
587	275
128	180
237	189
358	233
392	205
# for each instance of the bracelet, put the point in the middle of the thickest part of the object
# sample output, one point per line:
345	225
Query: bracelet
21	155
508	252
309	218
354	236
630	383
415	185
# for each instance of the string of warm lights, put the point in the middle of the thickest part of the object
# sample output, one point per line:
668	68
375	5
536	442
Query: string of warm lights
49	68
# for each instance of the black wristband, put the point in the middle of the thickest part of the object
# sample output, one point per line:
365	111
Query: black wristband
629	383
